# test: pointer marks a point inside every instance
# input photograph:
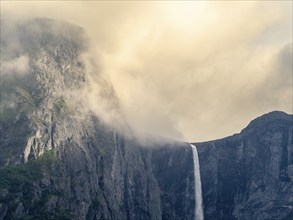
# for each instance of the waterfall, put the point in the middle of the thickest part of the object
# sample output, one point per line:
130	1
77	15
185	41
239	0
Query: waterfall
197	186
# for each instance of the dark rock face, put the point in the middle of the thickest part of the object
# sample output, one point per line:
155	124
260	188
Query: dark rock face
250	175
173	169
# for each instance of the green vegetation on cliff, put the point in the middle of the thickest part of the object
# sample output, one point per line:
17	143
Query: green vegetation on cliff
16	178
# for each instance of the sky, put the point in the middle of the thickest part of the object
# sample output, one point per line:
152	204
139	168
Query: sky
187	70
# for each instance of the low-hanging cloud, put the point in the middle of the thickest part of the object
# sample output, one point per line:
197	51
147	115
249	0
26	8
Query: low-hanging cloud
18	65
187	70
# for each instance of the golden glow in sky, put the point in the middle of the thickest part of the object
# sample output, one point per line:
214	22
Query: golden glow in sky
183	13
191	70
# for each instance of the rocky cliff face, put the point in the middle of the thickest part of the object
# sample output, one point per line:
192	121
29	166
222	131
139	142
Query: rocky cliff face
36	100
250	175
60	161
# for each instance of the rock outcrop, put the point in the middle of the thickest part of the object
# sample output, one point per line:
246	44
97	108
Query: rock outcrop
250	175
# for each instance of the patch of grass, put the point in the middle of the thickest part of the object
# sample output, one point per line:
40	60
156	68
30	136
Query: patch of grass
20	181
15	177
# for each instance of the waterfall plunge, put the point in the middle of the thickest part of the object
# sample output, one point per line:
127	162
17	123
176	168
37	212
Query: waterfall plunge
197	187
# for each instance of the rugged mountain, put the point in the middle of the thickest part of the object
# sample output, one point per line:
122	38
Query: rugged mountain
58	160
250	175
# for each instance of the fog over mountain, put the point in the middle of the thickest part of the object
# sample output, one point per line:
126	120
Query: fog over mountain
181	69
89	95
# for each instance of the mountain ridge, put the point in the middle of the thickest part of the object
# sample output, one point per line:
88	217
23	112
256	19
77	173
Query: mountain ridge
249	175
59	160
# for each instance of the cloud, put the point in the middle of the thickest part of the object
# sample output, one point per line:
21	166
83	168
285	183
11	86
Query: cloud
18	65
187	70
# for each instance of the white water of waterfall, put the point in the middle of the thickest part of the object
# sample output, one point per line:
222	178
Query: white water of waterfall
197	186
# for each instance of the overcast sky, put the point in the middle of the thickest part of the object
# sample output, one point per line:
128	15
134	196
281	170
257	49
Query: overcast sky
193	71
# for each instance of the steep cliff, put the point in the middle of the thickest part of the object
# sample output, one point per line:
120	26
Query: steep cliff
250	175
59	160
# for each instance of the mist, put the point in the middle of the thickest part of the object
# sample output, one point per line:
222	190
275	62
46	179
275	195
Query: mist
191	71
